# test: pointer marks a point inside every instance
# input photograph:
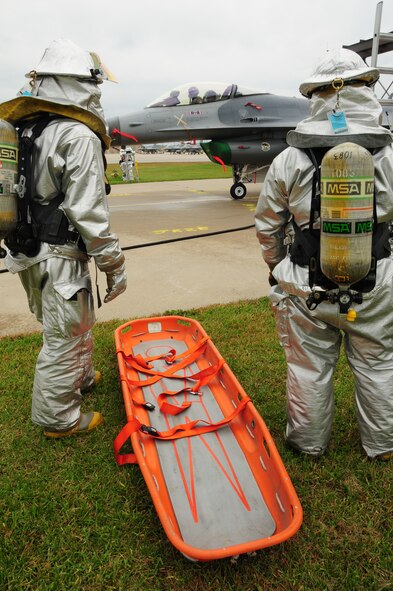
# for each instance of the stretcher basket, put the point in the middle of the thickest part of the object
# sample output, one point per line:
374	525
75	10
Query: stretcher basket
210	464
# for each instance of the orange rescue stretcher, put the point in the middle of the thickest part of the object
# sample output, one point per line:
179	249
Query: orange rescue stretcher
213	471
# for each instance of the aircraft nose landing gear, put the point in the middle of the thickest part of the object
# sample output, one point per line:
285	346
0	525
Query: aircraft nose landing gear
238	191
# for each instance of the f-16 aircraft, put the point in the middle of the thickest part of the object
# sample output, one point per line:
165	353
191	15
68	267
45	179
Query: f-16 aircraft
245	128
241	127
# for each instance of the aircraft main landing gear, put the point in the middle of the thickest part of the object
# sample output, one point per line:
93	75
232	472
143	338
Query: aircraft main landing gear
238	191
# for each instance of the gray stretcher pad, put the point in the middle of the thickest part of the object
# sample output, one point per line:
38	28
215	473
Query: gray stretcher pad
215	498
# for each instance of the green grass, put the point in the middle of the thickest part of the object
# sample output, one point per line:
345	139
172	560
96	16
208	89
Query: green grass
150	172
71	519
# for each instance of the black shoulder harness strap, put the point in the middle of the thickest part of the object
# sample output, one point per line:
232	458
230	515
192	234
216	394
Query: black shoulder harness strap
37	223
24	238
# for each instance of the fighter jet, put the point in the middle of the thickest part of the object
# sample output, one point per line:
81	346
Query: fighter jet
242	128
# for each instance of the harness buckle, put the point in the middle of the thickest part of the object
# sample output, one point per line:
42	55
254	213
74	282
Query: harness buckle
148	406
149	430
192	392
73	237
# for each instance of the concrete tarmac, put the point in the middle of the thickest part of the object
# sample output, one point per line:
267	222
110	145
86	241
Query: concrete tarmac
179	275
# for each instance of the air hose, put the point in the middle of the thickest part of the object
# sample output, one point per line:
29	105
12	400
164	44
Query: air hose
170	240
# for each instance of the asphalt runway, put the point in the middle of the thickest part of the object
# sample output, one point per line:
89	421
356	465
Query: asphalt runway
178	275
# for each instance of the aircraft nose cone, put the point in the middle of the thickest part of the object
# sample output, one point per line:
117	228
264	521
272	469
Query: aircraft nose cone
114	124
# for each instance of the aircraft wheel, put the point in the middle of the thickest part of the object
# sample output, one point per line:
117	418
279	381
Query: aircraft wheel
238	191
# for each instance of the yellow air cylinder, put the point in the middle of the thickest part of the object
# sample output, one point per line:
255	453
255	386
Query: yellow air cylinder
8	177
347	194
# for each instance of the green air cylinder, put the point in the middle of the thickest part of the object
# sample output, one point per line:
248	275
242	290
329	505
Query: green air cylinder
347	194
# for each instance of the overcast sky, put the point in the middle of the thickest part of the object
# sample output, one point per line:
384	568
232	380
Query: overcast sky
154	45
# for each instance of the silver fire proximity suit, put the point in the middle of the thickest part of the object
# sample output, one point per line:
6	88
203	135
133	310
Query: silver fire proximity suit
68	159
312	338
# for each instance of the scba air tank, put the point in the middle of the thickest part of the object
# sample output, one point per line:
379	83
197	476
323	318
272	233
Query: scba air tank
8	179
347	194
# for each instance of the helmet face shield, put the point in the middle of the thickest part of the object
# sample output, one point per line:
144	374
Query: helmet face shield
100	70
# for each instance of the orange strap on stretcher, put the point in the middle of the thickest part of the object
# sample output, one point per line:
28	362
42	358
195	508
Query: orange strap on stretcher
177	432
171	356
141	364
202	378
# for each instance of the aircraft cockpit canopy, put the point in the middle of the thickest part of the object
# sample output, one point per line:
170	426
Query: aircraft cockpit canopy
200	92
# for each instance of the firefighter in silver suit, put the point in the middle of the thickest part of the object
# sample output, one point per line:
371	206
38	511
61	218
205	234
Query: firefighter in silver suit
312	338
68	160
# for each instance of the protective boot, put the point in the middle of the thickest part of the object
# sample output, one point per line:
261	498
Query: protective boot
384	457
87	422
97	379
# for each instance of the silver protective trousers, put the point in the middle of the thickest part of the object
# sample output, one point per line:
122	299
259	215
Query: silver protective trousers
60	295
312	341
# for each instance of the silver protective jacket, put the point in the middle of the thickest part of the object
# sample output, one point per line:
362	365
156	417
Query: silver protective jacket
69	160
311	339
